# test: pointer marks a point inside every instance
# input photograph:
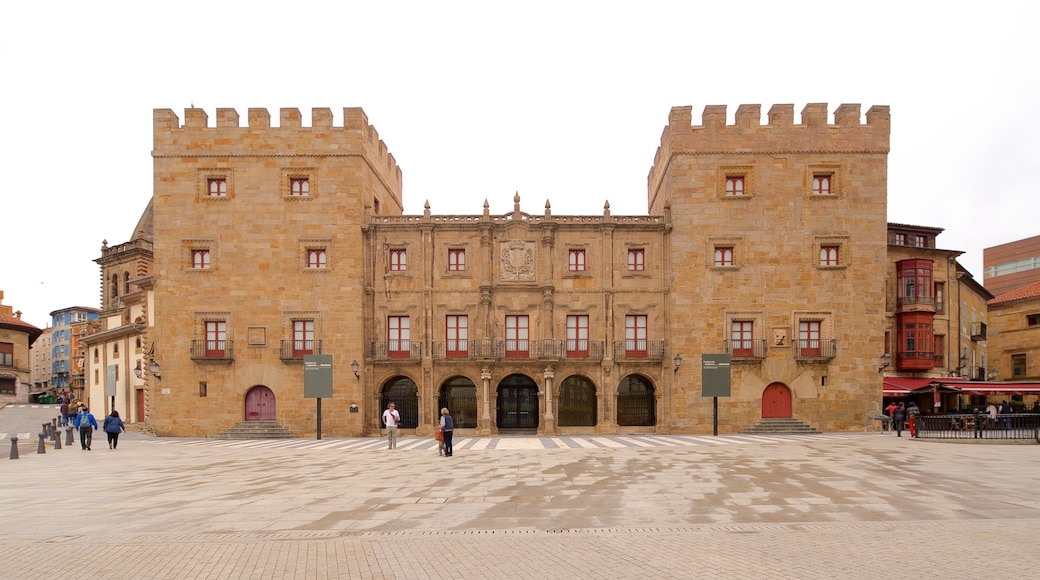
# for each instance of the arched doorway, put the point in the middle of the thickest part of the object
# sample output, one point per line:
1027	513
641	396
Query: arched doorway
517	404
577	402
260	404
405	396
776	402
459	395
636	404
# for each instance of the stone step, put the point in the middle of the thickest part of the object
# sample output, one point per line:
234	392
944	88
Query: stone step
779	426
256	430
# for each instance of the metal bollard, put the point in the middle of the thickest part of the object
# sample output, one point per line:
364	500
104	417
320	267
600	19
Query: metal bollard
57	440
68	435
42	447
46	429
14	448
54	425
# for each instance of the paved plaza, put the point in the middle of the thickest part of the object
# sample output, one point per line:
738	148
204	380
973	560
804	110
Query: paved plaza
849	505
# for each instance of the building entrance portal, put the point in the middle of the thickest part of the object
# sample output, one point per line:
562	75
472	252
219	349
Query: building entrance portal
776	402
517	405
260	404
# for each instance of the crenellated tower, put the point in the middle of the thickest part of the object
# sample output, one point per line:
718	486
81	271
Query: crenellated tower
778	253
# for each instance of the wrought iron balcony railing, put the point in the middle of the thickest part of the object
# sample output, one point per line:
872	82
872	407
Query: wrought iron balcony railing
815	350
216	350
297	349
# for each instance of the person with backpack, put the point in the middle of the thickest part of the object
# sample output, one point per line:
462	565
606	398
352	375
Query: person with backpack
113	426
86	423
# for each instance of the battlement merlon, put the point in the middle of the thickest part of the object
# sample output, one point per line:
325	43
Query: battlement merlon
228	138
780	135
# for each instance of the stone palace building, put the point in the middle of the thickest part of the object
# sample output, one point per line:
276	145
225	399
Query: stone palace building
762	241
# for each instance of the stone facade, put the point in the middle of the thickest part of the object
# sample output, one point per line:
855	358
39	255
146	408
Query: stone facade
764	242
16	340
1016	345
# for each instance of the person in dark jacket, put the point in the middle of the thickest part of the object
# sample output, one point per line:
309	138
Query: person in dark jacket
898	419
448	426
85	423
113	426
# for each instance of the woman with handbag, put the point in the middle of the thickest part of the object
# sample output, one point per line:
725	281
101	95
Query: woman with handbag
447	426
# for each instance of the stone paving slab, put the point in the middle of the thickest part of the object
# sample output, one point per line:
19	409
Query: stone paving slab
857	506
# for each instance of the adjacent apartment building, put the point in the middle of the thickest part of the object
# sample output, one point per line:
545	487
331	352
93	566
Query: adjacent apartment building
16	338
763	241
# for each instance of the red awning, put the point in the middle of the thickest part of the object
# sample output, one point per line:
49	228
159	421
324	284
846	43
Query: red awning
903	386
984	388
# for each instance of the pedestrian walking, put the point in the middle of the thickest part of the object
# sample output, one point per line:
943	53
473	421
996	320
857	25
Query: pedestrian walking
439	436
447	426
392	419
911	415
86	423
64	413
898	419
113	426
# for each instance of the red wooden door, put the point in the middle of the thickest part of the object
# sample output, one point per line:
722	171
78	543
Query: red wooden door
140	407
260	404
776	402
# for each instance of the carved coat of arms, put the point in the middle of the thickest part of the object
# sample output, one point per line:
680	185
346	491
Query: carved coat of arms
517	261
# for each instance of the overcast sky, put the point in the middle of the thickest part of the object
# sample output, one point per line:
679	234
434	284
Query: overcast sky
562	101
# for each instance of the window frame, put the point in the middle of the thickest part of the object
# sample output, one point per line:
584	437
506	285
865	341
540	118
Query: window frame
302	337
201	259
216	338
299	186
398	336
636	344
577	336
456	335
723	257
456	259
821	184
398	259
637	259
807	330
830	255
576	259
317	259
518	336
221	187
735	185
742	332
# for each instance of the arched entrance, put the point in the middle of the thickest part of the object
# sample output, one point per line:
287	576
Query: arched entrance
459	396
405	396
260	404
517	404
636	404
776	402
576	403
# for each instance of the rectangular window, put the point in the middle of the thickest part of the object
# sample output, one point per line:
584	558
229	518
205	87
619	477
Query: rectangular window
456	260
900	239
200	259
576	260
723	256
398	337
1018	365
741	335
457	335
635	335
635	260
734	185
821	184
216	187
809	338
398	260
299	186
938	355
303	337
316	258
6	354
517	336
919	241
578	336
216	338
828	255
940	297
1032	319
